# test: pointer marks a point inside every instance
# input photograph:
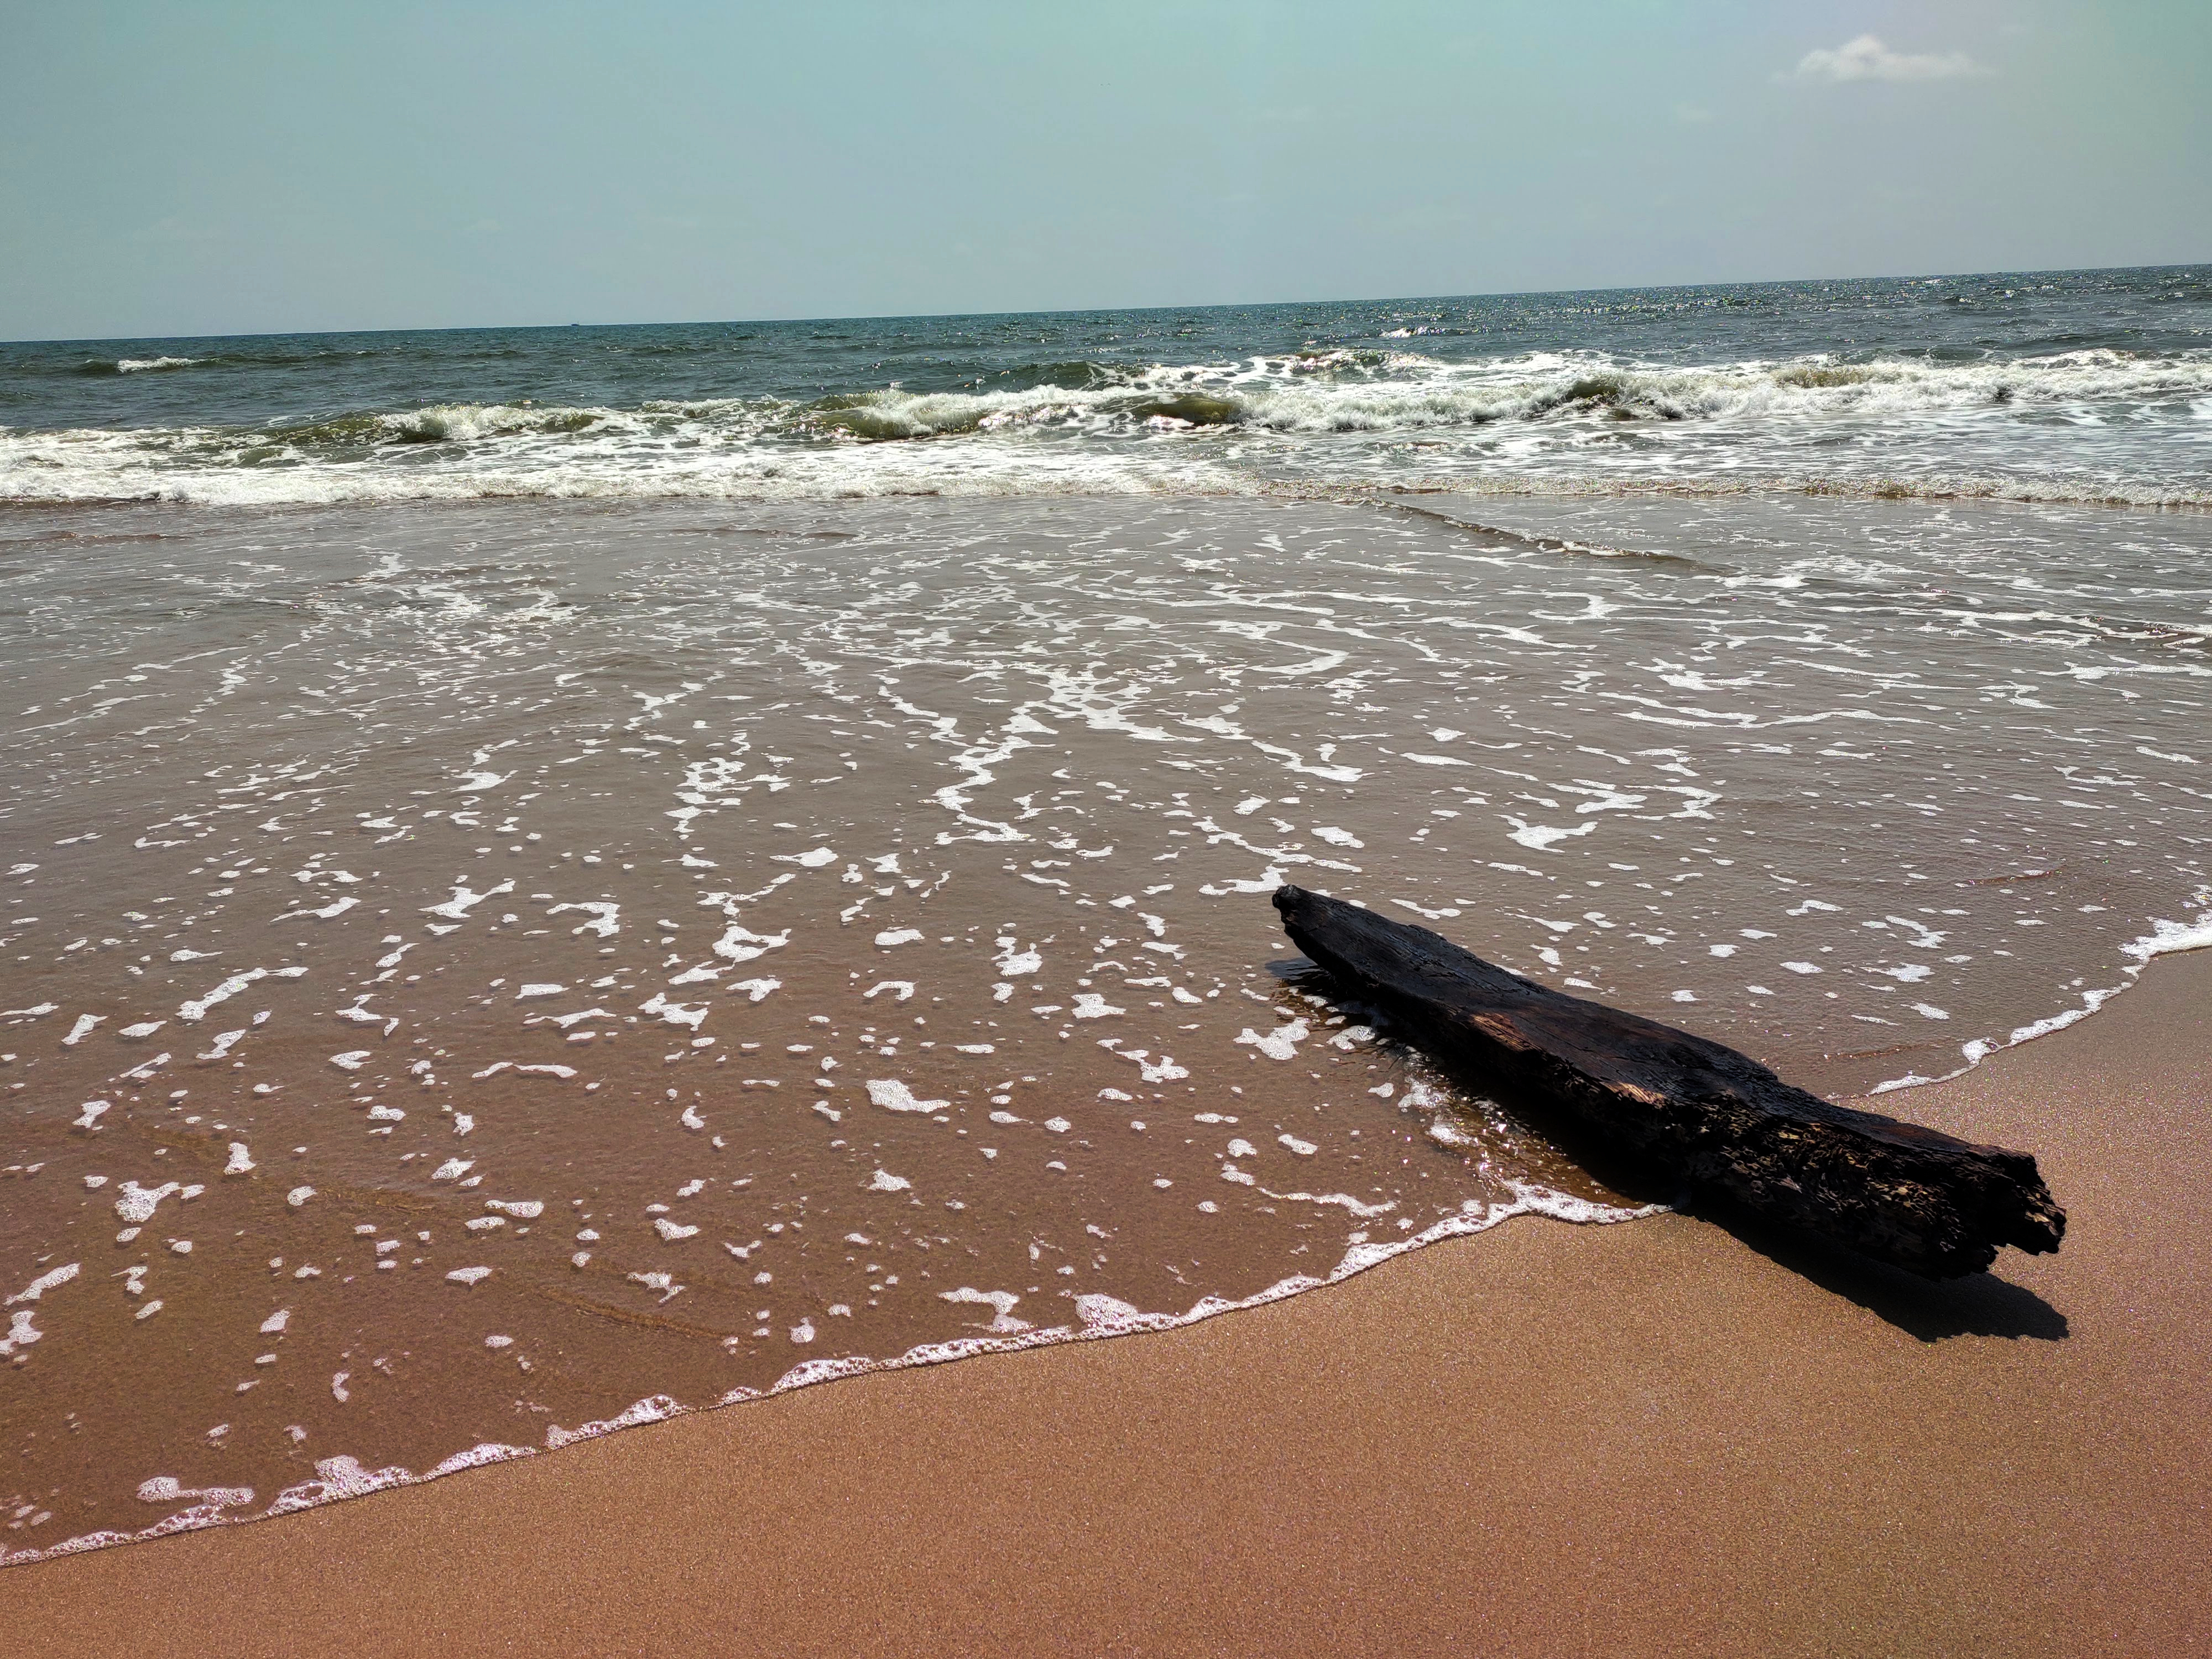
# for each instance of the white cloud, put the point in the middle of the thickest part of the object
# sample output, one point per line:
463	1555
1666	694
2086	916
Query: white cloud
1868	59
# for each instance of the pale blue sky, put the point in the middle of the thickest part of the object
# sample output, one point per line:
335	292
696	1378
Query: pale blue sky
249	167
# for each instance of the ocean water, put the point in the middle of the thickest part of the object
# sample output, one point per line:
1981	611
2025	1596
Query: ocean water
557	877
2092	385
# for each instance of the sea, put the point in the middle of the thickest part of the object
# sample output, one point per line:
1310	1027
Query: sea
559	876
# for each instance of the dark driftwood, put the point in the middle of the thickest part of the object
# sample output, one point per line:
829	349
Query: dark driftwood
1688	1109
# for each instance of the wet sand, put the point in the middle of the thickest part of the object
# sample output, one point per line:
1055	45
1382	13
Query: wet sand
1659	1437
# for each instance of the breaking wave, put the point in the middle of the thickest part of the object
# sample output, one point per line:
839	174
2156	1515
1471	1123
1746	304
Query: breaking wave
2068	426
137	365
1375	391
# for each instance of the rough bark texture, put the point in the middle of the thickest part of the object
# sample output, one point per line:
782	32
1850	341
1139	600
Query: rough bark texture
1689	1110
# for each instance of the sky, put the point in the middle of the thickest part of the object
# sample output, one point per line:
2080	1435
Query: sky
230	167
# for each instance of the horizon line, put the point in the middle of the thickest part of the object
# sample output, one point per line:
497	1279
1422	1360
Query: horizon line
1073	311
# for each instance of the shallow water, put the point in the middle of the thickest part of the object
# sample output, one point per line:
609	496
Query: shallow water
473	970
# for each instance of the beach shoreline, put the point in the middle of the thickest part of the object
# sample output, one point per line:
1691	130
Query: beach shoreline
385	1065
1658	1437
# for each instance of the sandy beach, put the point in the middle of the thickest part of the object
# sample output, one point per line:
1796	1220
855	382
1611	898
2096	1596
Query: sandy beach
1656	1437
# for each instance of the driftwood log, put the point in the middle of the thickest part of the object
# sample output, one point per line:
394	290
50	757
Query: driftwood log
1688	1110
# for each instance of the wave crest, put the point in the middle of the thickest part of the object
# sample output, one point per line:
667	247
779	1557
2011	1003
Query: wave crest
1351	417
136	365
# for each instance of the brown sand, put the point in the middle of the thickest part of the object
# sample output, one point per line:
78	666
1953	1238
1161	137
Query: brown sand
1652	1438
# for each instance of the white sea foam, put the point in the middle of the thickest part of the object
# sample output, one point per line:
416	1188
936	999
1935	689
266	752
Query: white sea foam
2165	938
1281	1043
1248	424
894	1095
52	1279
